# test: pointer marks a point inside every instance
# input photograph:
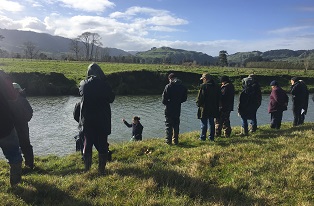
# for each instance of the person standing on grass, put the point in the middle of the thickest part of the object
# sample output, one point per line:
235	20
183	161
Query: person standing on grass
249	101
208	106
173	96
137	128
278	102
300	100
95	115
9	141
225	107
23	115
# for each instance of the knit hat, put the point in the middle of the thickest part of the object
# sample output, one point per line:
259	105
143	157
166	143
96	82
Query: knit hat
206	76
295	79
224	79
171	76
273	83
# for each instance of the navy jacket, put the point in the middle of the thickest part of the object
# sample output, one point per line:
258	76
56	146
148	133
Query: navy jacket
137	130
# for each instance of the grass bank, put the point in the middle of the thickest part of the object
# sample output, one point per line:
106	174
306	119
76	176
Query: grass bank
76	71
270	167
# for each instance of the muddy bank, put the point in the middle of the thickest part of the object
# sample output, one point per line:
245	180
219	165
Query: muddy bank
133	82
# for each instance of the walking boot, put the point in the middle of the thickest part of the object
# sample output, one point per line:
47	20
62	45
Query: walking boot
15	173
87	162
244	132
102	158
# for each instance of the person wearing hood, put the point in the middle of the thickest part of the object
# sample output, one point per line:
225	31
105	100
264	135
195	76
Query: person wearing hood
300	100
9	141
208	106
95	115
174	94
278	102
225	107
249	101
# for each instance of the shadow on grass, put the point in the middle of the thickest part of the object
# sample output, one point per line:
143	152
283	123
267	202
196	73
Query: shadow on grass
208	192
46	194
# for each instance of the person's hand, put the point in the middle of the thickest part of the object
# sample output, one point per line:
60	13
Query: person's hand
123	120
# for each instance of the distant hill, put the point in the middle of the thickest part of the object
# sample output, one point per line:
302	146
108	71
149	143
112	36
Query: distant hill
54	45
175	56
272	55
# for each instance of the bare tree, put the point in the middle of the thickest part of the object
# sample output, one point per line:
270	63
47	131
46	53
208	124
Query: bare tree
95	41
75	47
30	50
86	39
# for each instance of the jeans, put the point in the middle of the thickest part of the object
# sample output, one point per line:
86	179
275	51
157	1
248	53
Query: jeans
210	122
253	123
11	149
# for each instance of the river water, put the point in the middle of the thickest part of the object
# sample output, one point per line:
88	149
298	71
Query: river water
52	128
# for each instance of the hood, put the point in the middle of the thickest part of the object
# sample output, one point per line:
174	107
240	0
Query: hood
95	70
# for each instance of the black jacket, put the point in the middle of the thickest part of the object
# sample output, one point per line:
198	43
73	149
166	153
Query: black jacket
174	94
95	110
227	97
300	95
137	130
208	100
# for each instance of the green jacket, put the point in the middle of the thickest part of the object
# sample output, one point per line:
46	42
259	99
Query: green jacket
208	100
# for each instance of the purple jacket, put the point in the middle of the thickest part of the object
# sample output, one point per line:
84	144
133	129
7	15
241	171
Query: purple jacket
278	100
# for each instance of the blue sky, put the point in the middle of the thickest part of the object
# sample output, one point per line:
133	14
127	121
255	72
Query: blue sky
206	26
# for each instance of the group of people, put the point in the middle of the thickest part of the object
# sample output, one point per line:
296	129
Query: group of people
93	113
215	103
15	113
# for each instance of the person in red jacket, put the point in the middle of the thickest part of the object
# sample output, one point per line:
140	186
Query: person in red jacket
278	102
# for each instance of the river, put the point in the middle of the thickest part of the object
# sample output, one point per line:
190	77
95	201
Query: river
52	128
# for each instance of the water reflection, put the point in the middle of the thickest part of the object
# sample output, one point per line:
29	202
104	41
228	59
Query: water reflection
52	127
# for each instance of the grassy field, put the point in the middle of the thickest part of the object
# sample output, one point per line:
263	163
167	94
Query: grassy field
77	70
270	167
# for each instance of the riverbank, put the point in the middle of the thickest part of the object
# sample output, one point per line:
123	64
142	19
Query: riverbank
45	78
270	167
135	82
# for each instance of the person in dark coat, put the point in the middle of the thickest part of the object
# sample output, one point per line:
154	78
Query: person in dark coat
249	101
300	100
95	115
9	141
278	102
137	128
174	94
225	107
208	106
21	125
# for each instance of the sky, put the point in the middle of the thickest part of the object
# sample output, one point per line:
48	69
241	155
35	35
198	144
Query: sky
207	26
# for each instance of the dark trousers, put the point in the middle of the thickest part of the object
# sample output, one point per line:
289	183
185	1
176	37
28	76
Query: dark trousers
97	138
25	144
297	116
172	129
276	118
223	122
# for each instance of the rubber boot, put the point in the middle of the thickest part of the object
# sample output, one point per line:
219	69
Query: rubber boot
15	173
29	158
102	163
87	162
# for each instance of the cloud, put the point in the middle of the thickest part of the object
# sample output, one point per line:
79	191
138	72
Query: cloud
288	30
10	6
88	5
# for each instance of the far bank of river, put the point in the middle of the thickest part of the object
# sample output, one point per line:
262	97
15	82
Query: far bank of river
52	128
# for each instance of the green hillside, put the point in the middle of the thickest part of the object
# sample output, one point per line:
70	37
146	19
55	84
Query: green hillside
175	56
